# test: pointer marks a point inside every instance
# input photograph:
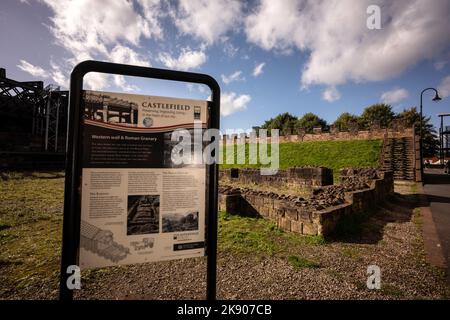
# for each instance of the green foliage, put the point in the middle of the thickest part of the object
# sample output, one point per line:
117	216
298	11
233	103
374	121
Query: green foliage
257	236
331	154
342	122
377	112
309	121
285	122
409	116
351	252
302	263
246	235
380	112
296	239
31	206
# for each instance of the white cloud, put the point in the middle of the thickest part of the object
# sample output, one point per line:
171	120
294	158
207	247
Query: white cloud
340	46
152	10
35	71
87	27
439	65
444	87
119	81
258	69
230	103
96	81
187	60
207	20
92	29
394	96
441	62
123	54
54	73
58	76
331	94
229	49
235	76
198	87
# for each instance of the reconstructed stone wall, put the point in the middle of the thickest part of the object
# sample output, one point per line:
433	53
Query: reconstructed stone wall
302	177
373	133
359	191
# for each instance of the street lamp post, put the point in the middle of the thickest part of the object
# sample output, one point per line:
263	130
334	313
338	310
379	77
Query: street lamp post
436	98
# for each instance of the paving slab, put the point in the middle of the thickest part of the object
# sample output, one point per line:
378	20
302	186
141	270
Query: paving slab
437	214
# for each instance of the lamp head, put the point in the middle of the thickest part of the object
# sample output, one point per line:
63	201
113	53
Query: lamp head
436	97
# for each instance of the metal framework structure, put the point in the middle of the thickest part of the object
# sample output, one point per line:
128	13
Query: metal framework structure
444	138
36	110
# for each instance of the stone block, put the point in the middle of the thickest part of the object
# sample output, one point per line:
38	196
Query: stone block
285	224
310	229
297	227
303	214
291	213
280	212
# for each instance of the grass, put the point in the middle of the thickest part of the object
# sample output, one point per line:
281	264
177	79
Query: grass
391	290
246	235
239	234
30	239
414	188
417	219
331	154
31	206
302	263
351	252
30	230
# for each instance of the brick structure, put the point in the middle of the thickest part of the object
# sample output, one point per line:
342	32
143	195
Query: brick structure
360	190
375	132
301	177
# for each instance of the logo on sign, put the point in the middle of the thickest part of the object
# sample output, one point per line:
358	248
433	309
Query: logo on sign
147	122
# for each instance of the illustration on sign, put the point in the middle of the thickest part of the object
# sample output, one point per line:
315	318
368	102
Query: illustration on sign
101	242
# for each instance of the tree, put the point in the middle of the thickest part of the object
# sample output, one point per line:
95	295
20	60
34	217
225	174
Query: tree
343	120
309	121
284	121
377	112
409	117
430	141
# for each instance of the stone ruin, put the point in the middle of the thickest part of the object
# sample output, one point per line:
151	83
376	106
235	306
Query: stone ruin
295	177
398	129
359	190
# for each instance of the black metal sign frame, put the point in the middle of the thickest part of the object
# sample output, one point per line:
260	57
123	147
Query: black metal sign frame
72	189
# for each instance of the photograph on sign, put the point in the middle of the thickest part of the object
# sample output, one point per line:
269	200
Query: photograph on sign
138	204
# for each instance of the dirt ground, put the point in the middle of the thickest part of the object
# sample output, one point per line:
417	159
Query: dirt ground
255	260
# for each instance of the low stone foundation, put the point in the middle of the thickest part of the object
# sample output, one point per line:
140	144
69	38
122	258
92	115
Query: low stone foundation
297	177
360	190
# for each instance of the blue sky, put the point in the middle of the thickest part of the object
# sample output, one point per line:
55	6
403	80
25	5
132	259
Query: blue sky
313	56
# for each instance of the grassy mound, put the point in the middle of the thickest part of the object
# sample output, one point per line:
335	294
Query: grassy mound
331	154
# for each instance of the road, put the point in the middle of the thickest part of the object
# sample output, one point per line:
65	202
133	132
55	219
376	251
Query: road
437	190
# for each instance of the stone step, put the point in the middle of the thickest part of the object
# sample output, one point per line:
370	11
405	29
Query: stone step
399	157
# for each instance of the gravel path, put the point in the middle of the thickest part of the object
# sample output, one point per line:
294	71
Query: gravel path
391	240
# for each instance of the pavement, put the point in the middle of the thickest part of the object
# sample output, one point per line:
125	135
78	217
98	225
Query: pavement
437	217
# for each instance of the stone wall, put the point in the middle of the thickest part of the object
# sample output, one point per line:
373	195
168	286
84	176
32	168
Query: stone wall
373	133
360	190
301	177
